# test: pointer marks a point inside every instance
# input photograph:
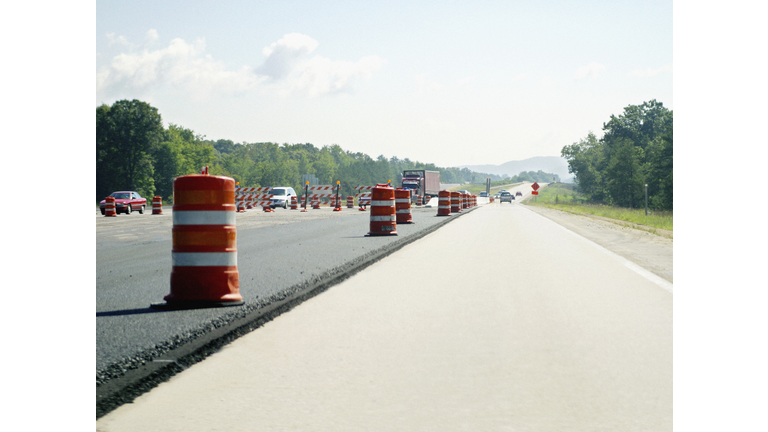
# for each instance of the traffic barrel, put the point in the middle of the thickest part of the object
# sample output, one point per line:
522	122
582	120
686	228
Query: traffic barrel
204	254
350	202
383	220
419	200
109	206
157	205
464	201
455	202
403	205
294	202
443	203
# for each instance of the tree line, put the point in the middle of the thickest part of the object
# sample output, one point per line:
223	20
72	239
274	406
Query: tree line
635	150
135	152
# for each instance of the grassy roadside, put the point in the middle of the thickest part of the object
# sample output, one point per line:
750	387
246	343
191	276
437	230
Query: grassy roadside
562	196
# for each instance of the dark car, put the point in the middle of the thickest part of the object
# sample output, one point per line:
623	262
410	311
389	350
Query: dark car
126	202
506	196
518	193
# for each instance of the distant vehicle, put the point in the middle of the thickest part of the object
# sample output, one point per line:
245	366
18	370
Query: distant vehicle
464	192
126	202
518	193
484	194
506	196
281	196
423	183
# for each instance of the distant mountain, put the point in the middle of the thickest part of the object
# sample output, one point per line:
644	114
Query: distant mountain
548	164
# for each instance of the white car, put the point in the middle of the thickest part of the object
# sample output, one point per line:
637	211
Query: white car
281	196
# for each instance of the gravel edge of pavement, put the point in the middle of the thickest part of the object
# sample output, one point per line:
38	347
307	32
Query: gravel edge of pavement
123	382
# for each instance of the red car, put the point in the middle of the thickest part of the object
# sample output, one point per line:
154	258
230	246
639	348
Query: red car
126	202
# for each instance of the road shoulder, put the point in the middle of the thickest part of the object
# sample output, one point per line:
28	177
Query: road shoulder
651	251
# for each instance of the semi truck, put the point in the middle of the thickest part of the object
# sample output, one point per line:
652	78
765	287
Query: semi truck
423	183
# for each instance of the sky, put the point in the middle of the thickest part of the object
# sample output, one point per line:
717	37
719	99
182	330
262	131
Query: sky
447	82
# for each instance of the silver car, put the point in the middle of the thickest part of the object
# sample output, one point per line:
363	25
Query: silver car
506	196
281	196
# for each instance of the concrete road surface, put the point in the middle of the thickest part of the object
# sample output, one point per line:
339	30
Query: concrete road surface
521	325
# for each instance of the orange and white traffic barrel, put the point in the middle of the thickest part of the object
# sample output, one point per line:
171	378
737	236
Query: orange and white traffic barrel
455	202
419	200
204	255
157	205
443	203
350	202
464	201
294	202
109	206
383	219
403	205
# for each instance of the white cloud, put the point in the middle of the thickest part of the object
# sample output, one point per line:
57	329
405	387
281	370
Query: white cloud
186	67
181	65
650	72
292	72
319	75
591	70
284	55
120	40
151	37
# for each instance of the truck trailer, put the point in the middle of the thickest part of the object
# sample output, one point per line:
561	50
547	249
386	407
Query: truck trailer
423	183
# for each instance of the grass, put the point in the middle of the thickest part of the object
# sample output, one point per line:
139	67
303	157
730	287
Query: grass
562	196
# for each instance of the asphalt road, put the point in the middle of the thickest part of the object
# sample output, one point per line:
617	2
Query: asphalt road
520	324
279	254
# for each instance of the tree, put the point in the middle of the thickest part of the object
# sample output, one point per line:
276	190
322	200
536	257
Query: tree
181	152
126	135
625	174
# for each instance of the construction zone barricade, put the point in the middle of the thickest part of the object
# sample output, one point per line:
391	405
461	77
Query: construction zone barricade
157	205
363	198
444	203
403	205
316	196
350	202
109	206
383	221
204	255
247	198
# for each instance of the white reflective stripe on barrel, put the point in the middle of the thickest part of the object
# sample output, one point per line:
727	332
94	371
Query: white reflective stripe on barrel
402	200
213	217
387	203
406	211
389	218
204	259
